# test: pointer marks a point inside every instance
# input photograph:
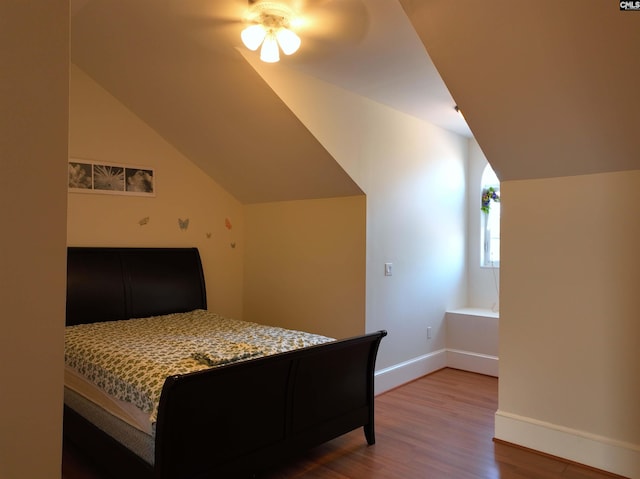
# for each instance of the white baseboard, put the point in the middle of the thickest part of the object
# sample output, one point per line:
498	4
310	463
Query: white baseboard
407	371
592	450
474	362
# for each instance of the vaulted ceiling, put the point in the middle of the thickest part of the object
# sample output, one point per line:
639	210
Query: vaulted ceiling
537	81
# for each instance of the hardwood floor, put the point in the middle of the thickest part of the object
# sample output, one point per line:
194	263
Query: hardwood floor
437	427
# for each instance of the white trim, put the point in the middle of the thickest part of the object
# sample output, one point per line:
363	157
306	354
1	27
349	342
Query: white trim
474	362
603	453
407	371
471	311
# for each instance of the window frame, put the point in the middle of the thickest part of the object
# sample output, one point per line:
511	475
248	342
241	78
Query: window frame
489	180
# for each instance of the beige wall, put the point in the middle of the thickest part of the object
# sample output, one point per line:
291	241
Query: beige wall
569	320
102	129
305	265
33	156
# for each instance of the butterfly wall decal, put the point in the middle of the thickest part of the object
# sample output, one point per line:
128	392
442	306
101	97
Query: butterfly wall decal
183	224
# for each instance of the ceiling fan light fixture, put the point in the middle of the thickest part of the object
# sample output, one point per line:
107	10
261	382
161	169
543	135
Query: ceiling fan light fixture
270	53
253	36
270	24
288	41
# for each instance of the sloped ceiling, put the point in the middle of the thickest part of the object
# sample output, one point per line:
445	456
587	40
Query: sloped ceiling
549	88
203	97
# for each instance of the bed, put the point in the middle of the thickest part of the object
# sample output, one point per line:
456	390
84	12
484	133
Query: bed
231	420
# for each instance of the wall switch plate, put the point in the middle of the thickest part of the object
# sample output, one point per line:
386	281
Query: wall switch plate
388	269
428	332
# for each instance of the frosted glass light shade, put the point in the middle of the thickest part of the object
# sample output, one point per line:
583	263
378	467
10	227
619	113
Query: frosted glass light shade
270	53
289	41
252	36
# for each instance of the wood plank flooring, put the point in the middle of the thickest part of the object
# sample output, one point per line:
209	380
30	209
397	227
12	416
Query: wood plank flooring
437	427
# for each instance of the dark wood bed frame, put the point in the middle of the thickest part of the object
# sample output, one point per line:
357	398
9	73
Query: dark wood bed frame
229	421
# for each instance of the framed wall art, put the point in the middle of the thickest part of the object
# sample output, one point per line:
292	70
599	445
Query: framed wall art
87	176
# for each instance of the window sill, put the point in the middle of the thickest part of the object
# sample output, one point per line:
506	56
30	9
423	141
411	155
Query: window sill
469	311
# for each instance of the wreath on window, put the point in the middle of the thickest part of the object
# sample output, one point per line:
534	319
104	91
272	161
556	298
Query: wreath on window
488	195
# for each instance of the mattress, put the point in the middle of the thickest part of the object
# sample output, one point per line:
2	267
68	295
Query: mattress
123	410
138	442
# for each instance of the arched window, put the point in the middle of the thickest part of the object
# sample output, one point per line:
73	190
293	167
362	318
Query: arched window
490	211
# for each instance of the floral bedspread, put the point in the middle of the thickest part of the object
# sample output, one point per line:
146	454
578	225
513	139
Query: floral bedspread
131	359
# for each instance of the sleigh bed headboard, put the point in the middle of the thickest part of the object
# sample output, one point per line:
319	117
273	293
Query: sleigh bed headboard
109	284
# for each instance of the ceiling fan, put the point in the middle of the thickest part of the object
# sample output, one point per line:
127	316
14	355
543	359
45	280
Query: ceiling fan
318	26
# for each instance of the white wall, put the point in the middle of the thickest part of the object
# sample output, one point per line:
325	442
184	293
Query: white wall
33	167
413	174
569	319
102	129
472	340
